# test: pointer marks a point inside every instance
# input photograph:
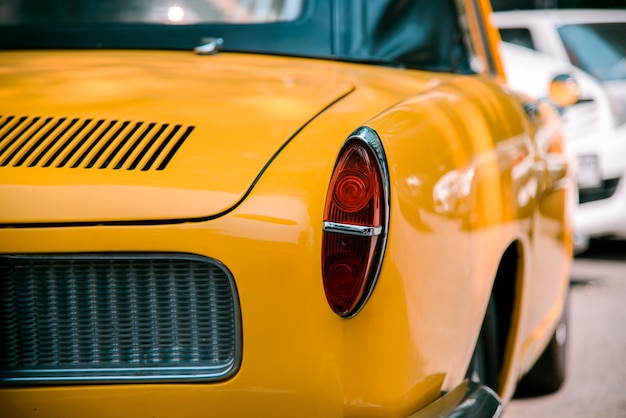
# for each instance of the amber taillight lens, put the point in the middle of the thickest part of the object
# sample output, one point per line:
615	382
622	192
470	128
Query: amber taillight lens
355	223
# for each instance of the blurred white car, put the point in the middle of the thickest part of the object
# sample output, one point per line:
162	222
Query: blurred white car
592	136
593	40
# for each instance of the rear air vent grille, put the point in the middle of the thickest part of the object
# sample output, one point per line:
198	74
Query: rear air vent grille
88	143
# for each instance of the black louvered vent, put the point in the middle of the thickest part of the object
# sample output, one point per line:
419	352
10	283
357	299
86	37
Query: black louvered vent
116	318
88	143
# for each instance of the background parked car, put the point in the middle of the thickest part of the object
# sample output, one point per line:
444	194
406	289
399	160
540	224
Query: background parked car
591	45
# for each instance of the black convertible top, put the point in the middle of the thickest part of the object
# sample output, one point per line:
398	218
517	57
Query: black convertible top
413	33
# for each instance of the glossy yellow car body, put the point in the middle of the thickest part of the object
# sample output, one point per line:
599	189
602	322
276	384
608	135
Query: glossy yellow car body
469	182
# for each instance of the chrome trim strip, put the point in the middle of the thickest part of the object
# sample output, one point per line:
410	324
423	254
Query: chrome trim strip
362	231
469	399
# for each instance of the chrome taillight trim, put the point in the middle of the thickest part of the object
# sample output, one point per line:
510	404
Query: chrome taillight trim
370	136
362	231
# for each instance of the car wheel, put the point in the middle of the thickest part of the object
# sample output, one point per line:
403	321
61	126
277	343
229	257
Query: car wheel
484	367
548	373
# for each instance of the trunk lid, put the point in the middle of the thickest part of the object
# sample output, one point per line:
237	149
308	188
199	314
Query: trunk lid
138	135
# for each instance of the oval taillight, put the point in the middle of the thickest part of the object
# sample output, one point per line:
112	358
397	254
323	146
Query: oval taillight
355	223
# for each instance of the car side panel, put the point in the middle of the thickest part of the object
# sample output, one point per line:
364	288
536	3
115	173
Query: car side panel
471	172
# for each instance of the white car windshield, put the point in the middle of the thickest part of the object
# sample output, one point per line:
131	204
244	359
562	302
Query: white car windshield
599	48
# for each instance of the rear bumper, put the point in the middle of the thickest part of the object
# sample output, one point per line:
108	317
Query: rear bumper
469	399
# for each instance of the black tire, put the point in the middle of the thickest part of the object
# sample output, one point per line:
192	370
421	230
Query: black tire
548	374
484	367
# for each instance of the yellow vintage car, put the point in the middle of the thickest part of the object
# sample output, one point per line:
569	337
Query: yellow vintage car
296	208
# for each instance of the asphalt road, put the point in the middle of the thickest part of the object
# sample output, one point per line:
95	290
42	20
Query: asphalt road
595	386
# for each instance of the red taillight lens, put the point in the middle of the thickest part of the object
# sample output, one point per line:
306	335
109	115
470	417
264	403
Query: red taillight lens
351	191
354	226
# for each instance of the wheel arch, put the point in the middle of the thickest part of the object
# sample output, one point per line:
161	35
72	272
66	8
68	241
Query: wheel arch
507	295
